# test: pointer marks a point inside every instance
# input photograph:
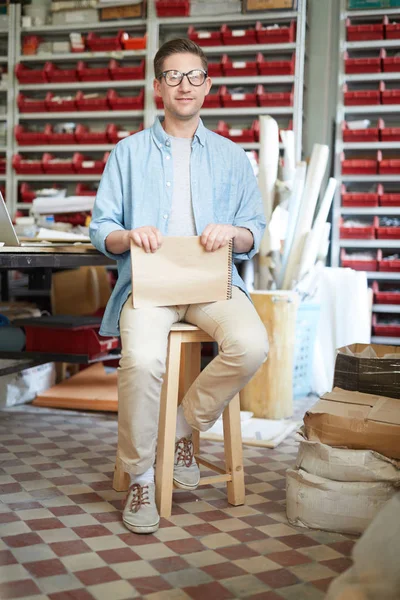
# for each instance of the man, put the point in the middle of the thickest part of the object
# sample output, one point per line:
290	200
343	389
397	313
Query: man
176	178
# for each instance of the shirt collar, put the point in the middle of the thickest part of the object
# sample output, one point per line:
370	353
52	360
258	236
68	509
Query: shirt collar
162	137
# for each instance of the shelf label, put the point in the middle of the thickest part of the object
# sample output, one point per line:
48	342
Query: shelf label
239	65
234	132
202	35
239	33
238	96
88	164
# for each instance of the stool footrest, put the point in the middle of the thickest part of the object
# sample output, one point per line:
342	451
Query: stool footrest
210	465
212	479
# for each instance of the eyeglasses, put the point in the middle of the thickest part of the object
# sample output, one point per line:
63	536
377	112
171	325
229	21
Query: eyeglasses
195	77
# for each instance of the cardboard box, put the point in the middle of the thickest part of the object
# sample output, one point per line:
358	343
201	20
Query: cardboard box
368	368
72	17
342	464
345	507
260	5
131	11
372	4
355	420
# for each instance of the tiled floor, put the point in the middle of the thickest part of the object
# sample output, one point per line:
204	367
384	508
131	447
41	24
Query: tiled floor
62	536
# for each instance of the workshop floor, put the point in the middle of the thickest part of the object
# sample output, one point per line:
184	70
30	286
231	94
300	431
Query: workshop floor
62	537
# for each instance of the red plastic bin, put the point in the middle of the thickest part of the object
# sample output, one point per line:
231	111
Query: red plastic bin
2	166
87	166
117	102
215	69
205	38
159	102
360	97
96	43
238	37
359	166
392	29
360	199
283	34
213	100
390	64
389	96
173	8
276	67
269	98
388	166
87	103
238	68
68	341
387	233
232	100
235	134
386	264
115	134
362	65
389	198
27	75
88	73
24	166
119	72
55	103
84	190
364	31
371	134
366	232
57	166
385	329
389	134
59	138
385	294
25	137
56	75
30	105
26	194
358	264
133	43
83	135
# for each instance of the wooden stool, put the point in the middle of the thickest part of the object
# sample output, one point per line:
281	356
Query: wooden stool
183	366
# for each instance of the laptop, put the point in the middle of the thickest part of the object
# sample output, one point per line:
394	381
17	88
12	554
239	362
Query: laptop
9	237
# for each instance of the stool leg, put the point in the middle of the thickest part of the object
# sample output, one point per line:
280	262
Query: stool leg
192	367
121	479
167	428
234	452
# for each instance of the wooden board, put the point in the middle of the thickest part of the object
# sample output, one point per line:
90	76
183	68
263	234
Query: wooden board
90	389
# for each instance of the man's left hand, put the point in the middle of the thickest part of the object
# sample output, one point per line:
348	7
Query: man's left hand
217	236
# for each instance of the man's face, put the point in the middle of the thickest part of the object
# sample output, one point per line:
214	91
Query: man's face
185	100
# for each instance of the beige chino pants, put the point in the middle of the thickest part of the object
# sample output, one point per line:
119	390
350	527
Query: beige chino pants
243	347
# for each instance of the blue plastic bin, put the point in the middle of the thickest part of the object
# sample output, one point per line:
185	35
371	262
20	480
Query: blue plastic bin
306	330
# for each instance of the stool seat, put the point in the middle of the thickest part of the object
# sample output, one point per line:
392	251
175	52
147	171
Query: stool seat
183	367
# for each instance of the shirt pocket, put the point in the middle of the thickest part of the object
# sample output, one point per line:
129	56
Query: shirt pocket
225	200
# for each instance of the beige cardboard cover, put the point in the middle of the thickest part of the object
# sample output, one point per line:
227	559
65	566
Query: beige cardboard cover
356	420
180	272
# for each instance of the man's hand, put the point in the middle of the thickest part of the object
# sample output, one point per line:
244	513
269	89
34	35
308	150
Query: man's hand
149	238
217	236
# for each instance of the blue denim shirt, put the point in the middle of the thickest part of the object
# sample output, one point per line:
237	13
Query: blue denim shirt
136	190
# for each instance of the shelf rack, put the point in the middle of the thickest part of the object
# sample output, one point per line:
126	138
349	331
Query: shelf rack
154	27
394	180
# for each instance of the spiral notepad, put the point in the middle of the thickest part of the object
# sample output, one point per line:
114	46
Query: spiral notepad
180	272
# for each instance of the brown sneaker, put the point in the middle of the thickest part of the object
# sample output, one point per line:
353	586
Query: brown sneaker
140	513
186	470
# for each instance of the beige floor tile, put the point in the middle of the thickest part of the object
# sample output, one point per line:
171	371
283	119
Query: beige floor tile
137	568
82	562
59	583
116	528
219	540
78	520
267	476
153	551
105	542
312	572
256	564
268	546
58	535
320	553
240	511
230	524
35	513
117	590
204	559
33	553
243	586
196	507
185	520
168	595
13	573
252	499
70	490
168	534
40	484
260	488
98	507
14	528
278	530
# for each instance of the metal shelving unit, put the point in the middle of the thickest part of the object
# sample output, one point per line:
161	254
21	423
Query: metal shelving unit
154	28
343	113
7	93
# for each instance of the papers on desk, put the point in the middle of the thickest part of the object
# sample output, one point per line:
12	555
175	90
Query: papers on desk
54	235
57	205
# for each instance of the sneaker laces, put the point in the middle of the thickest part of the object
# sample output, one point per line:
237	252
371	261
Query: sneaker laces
140	497
185	452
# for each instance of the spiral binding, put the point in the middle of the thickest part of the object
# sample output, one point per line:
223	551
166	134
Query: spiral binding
230	267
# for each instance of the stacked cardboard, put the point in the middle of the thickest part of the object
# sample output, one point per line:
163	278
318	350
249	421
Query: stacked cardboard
348	465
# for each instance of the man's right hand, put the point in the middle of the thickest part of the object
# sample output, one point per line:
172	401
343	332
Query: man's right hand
147	237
